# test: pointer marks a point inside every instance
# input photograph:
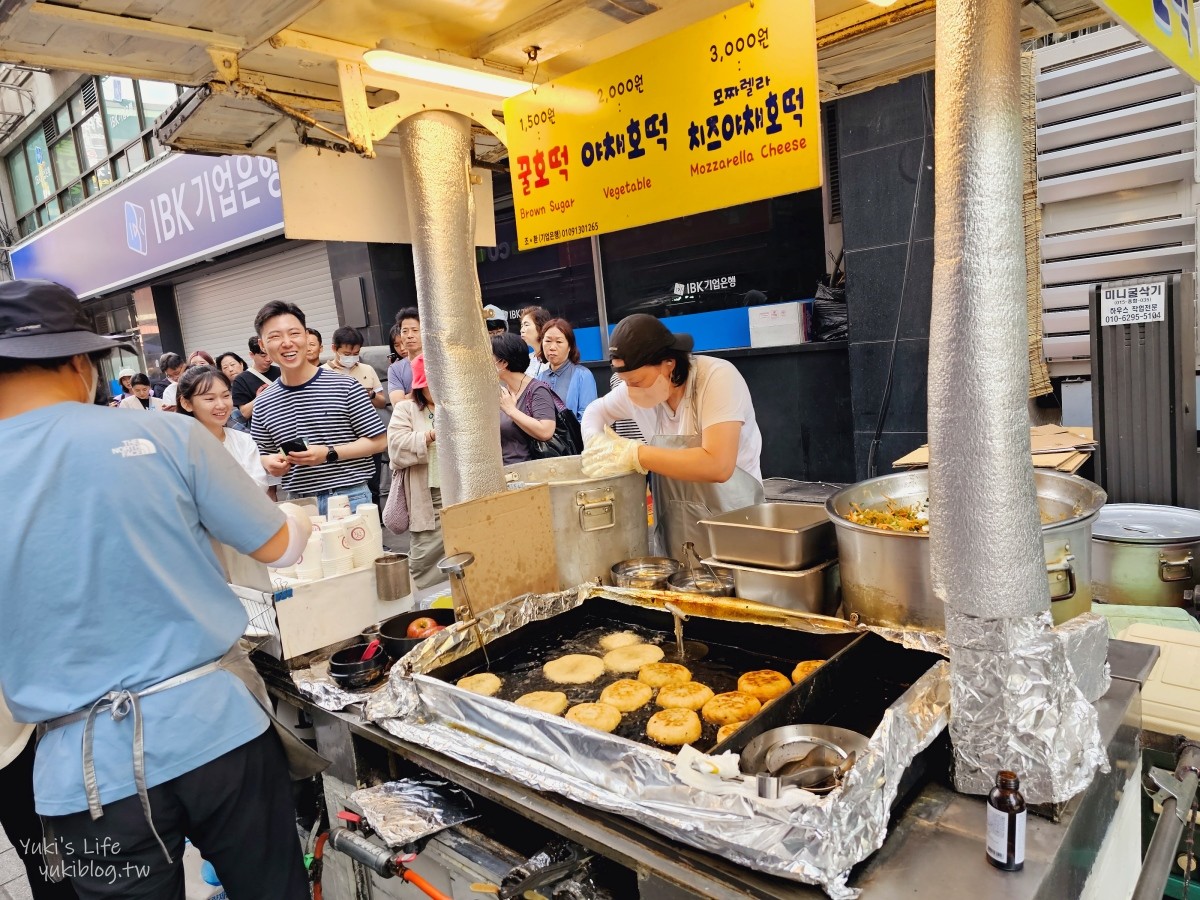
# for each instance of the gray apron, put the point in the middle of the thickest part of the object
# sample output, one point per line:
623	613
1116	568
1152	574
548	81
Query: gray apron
680	505
303	761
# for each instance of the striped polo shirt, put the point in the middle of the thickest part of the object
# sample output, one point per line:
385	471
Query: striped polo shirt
330	409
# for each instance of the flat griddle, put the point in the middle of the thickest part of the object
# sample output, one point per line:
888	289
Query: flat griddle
865	674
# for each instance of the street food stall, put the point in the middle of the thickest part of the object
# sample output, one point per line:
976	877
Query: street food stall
517	751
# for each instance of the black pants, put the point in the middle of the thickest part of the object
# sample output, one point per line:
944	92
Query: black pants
238	812
24	828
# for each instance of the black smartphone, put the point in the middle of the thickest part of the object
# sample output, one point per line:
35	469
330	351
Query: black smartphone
294	446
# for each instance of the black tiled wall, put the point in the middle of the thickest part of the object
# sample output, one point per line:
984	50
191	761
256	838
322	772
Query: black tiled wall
881	138
389	283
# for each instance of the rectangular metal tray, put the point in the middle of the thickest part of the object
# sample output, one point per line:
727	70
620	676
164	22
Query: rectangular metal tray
733	648
816	590
772	536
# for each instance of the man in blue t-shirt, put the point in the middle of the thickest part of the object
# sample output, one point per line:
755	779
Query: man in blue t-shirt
116	613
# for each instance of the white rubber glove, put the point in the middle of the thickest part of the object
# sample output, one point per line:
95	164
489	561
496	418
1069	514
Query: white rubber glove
610	454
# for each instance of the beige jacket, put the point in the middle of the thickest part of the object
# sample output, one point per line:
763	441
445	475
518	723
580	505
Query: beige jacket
409	452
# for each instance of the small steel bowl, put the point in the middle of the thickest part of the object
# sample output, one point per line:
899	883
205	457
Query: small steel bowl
647	573
711	580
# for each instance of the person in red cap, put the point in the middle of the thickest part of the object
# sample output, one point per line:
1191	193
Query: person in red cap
416	481
702	440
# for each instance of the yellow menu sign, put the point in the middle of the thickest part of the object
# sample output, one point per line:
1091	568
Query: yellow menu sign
722	112
1169	26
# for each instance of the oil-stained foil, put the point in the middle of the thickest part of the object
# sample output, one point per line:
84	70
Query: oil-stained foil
798	836
1018	705
407	810
316	682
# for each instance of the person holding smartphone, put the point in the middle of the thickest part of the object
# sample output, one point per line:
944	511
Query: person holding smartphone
327	411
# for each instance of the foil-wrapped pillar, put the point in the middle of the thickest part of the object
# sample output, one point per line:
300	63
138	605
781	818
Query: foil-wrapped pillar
436	150
1015	703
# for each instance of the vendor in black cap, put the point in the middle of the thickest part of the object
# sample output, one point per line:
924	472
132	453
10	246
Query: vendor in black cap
703	442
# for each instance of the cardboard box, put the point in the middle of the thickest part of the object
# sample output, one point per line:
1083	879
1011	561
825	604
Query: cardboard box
777	325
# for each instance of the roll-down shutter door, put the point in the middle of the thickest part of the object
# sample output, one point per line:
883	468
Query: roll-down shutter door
216	312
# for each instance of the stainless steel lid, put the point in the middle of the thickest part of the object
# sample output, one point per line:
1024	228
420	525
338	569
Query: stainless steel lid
1145	523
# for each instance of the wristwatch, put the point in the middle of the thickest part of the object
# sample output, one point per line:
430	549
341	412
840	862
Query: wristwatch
332	455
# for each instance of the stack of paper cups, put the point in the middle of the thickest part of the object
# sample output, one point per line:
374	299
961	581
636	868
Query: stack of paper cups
370	514
362	542
317	522
308	566
336	558
337	506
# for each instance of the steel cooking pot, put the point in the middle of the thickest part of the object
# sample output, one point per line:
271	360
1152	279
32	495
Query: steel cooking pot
885	574
1145	555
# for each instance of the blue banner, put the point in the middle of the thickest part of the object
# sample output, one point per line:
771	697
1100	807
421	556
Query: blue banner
178	211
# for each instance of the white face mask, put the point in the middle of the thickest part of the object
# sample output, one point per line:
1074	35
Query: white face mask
348	362
91	391
650	397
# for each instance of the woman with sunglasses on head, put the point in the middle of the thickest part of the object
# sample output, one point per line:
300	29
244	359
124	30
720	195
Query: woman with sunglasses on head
205	395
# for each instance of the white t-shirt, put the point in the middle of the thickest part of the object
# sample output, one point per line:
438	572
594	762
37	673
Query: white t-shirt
170	394
13	735
723	397
245	451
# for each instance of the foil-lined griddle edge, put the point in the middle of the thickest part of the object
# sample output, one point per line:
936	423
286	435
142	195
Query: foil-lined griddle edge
805	838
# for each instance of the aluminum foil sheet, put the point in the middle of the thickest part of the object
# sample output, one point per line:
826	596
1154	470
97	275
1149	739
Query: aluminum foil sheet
914	638
405	811
799	836
1086	640
1017	706
316	682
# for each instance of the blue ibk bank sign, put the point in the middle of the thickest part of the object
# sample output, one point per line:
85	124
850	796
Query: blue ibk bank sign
182	209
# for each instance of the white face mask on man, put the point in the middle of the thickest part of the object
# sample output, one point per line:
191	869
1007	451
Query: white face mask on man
650	397
95	385
348	362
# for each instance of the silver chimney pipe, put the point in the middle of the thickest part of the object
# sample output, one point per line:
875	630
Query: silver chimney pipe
436	149
1014	680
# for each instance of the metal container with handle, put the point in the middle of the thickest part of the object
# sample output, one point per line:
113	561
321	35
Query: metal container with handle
597	521
885	574
1145	555
772	536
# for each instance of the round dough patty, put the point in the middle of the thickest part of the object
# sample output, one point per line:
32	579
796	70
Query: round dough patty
574	668
725	731
632	658
764	684
619	639
660	674
484	683
689	695
674	727
806	668
734	706
553	702
600	716
627	695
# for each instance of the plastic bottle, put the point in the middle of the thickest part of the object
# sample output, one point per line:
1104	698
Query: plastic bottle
1006	823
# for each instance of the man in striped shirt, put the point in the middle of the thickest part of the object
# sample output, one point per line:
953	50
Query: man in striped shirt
316	428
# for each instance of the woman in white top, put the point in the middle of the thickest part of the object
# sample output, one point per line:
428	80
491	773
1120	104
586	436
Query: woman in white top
205	395
533	320
141	399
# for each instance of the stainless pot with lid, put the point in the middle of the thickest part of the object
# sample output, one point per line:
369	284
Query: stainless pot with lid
1145	555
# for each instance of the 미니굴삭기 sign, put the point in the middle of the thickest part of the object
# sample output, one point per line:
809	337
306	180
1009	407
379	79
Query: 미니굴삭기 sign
719	113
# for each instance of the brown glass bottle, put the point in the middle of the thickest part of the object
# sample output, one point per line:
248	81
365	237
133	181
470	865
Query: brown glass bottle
1006	823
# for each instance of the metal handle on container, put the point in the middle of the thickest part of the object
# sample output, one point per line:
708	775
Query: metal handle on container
1064	566
597	509
1175	569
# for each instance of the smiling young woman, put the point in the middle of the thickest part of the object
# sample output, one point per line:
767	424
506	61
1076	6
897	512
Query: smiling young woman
205	394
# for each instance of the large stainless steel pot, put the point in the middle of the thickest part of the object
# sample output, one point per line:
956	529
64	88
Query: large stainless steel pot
596	521
885	574
1145	555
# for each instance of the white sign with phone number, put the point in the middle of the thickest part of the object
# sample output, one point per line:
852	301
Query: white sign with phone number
1133	304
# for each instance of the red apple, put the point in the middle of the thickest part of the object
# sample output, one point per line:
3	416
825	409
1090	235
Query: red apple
422	627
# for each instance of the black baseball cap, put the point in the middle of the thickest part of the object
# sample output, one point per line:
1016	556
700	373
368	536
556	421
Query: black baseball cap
639	339
44	320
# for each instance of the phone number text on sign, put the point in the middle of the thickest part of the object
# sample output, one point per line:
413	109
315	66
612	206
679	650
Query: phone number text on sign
1133	304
